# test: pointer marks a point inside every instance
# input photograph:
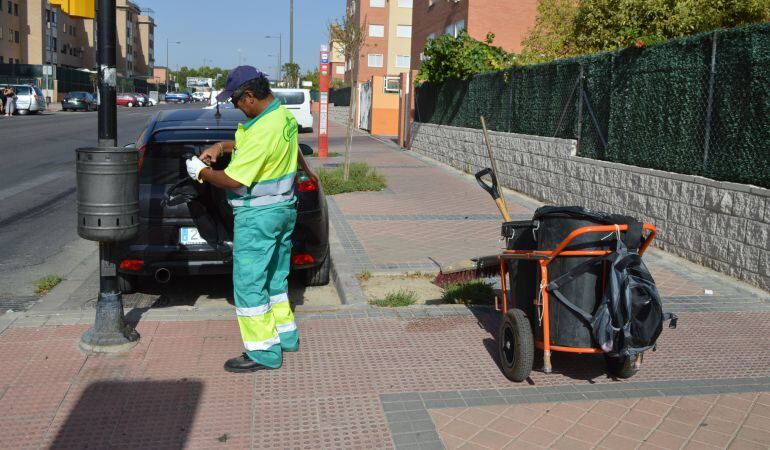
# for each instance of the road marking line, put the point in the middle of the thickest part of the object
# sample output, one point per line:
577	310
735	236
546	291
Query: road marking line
27	185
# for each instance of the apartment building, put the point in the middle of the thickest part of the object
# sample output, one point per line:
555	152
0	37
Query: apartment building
145	52
38	32
388	28
509	20
11	43
337	61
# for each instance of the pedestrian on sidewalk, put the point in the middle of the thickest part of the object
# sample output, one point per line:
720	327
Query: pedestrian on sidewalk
260	184
10	100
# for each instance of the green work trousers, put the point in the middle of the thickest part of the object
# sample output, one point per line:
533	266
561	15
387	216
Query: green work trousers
261	261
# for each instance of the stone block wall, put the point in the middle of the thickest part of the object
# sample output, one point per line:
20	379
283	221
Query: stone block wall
338	114
720	225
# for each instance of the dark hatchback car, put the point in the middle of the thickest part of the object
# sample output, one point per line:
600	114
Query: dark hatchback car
186	228
79	101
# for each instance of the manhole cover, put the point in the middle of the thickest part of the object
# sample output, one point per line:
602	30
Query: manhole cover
16	303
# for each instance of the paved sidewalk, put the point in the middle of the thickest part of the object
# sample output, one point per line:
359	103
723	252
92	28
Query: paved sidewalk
431	212
410	378
369	378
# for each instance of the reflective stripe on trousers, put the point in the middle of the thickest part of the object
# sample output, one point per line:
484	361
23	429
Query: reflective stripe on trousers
261	260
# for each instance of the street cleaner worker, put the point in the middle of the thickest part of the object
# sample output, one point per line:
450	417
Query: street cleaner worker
260	187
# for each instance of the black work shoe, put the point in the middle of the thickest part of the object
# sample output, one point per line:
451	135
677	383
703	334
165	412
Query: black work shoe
243	364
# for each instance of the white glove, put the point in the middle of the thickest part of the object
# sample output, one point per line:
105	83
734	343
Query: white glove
194	167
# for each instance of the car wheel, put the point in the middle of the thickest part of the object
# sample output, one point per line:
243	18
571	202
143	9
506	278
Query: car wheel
22	112
130	105
127	283
319	275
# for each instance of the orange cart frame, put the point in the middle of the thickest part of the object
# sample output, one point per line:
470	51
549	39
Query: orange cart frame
544	258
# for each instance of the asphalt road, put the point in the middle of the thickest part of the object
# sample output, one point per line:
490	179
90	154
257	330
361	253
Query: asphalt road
38	234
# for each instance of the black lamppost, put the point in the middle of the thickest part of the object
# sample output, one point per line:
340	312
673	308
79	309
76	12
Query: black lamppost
107	197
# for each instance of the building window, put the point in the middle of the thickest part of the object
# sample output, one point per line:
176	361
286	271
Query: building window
404	31
10	7
339	70
16	37
1	59
402	61
377	3
376	30
16	9
455	28
431	3
1	32
375	60
404	3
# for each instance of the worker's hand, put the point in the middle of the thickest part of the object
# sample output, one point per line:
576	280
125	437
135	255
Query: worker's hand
211	154
194	167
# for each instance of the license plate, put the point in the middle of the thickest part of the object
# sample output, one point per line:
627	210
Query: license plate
190	236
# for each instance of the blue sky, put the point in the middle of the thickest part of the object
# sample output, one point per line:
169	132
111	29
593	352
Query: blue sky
215	30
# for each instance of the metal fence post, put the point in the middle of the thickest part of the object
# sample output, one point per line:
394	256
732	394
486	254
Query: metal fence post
709	103
580	109
510	98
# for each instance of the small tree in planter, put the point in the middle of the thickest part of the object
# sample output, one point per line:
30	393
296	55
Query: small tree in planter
350	35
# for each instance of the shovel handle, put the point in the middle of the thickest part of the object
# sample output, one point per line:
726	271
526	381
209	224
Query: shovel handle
493	190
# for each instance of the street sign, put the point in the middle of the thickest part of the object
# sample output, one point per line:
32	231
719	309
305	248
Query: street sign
47	70
199	82
323	107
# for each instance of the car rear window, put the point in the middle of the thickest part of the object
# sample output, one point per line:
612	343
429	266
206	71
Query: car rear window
164	163
77	94
22	90
290	98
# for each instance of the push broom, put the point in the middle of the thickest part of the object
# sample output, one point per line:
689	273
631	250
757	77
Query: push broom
482	266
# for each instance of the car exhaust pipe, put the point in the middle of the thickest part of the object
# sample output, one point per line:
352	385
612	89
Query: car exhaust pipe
162	275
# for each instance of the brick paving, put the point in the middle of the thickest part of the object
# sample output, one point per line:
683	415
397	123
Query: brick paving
412	378
358	381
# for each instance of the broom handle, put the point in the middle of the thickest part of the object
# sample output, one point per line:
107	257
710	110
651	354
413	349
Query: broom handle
504	208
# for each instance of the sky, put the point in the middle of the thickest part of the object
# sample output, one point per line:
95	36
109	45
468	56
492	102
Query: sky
218	32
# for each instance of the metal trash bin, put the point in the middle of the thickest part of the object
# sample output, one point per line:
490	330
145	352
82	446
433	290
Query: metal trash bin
107	193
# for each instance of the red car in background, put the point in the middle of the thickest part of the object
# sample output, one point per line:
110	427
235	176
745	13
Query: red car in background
127	100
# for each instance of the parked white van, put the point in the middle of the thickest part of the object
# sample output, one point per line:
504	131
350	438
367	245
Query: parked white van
298	102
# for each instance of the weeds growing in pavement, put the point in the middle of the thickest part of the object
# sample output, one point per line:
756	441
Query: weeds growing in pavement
476	292
362	178
45	284
402	297
364	275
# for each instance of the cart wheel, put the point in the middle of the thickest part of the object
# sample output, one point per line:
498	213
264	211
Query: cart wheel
621	367
517	349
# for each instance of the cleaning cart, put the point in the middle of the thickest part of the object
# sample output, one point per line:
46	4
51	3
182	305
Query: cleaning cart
557	268
538	252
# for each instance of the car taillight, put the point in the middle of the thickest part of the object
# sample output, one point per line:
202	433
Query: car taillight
306	184
133	265
142	150
300	259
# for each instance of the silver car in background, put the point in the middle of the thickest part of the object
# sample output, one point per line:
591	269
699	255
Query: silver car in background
29	99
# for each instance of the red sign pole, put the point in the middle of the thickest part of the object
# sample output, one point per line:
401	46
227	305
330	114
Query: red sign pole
323	110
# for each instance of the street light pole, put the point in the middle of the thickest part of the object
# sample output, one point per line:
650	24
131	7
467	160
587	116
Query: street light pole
291	31
107	190
280	45
168	68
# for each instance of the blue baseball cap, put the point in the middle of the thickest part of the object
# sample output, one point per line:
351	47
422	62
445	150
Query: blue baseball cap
237	78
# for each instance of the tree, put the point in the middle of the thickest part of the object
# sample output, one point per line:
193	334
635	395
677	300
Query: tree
291	74
549	38
350	35
312	76
461	57
571	28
